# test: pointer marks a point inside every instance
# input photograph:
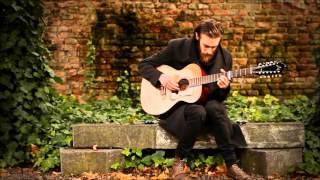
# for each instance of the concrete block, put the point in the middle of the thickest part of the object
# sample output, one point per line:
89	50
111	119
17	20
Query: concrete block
111	135
270	161
77	161
258	135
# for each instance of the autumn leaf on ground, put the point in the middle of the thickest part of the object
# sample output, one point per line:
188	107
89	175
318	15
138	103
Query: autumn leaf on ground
221	169
3	172
161	176
186	169
89	176
56	173
212	173
34	149
120	175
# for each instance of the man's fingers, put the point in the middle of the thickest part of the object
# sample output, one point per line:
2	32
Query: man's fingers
223	81
172	85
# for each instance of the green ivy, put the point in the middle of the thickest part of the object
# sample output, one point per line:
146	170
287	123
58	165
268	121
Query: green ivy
269	108
311	155
24	79
134	158
90	74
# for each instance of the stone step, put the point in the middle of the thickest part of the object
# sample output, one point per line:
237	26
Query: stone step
272	147
254	161
270	161
258	135
77	161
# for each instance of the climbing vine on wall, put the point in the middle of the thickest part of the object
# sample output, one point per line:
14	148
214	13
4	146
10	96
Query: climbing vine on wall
24	79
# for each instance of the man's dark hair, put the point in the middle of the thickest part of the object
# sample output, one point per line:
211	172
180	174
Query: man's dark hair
209	27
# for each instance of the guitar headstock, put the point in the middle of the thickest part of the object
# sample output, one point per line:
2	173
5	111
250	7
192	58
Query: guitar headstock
270	69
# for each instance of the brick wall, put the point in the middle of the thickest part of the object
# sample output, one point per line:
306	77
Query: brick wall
126	31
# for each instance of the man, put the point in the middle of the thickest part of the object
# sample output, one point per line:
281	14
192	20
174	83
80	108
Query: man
185	120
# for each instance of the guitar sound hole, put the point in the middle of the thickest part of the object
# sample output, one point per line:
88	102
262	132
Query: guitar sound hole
183	84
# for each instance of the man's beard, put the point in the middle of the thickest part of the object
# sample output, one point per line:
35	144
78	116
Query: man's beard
205	58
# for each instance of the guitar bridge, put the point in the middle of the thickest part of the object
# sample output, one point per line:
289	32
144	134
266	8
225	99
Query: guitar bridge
179	94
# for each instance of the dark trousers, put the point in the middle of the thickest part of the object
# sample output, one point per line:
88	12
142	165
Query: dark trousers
214	114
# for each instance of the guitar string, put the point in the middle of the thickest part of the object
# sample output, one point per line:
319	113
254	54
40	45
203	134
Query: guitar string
197	81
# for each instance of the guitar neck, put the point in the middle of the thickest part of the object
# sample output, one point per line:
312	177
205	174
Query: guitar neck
214	77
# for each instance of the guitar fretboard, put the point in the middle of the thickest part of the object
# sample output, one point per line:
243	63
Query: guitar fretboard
214	77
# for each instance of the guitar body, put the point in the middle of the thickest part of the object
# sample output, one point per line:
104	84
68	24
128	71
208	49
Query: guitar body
156	101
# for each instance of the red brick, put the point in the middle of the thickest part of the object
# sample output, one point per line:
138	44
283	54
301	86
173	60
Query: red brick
70	24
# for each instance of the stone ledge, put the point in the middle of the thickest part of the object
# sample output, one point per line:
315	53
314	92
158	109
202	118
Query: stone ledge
270	161
254	161
258	135
77	161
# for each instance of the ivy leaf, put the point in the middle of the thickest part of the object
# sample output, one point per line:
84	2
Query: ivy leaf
129	164
147	160
5	79
140	167
16	7
197	162
58	80
169	162
126	152
210	161
137	151
12	146
115	166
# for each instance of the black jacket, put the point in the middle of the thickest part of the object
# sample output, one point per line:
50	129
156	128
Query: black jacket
181	52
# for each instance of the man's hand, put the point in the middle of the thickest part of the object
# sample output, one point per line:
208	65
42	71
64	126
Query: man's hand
168	82
223	81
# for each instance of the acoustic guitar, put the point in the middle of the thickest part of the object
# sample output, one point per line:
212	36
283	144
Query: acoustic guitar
158	100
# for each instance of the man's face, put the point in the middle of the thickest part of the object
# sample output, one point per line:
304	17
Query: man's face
207	46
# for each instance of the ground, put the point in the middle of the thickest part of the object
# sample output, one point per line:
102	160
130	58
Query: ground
30	173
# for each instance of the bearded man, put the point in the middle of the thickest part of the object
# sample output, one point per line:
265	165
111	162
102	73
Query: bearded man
186	120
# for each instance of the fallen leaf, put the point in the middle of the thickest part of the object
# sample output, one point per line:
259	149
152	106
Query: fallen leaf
212	173
3	172
221	169
270	177
120	175
34	149
89	176
186	169
167	171
56	173
94	147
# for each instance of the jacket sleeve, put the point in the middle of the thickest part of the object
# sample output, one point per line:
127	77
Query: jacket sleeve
147	67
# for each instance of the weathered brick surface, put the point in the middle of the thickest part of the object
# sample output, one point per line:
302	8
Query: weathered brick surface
126	31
